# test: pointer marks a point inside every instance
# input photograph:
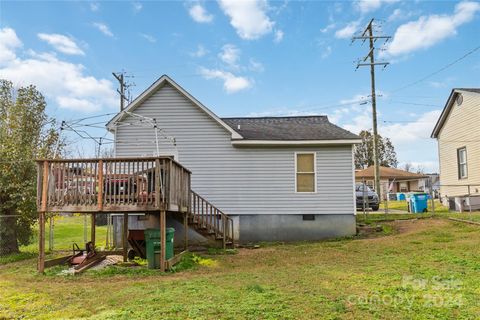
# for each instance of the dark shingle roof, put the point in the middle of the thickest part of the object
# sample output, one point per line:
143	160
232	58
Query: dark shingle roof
288	128
475	90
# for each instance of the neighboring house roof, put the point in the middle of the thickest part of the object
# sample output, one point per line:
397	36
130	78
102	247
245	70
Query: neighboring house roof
388	173
305	130
448	106
288	128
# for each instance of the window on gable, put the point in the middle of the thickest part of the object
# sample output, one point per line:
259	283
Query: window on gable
305	172
462	163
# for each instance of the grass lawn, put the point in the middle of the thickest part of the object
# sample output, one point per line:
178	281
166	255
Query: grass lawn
67	230
425	269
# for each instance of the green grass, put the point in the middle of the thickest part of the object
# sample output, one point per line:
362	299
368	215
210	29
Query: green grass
67	230
419	269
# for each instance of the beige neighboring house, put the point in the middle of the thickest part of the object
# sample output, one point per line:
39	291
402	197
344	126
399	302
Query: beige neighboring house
394	179
458	135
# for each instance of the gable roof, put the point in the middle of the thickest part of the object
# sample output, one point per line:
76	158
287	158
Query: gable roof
305	130
389	173
154	88
448	107
288	128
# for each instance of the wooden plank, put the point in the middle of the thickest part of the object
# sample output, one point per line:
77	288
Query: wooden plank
224	239
44	187
185	230
125	237
93	228
90	264
465	221
157	183
57	261
171	262
163	240
100	186
41	242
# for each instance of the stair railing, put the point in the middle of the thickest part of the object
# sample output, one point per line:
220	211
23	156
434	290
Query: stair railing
208	217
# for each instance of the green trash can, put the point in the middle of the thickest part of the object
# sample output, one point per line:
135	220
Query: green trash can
152	243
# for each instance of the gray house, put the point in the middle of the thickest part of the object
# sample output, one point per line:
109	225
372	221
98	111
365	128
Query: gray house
279	178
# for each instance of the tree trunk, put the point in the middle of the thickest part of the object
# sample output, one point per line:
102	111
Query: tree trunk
8	234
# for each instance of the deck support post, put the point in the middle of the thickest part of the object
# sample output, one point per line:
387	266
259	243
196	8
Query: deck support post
224	239
41	218
185	230
41	242
125	237
92	231
163	240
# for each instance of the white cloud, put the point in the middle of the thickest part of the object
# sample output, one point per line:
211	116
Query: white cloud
103	28
366	6
199	14
9	42
231	83
230	55
348	31
399	14
248	17
137	7
429	30
200	52
60	81
94	6
278	36
255	66
148	37
328	28
326	52
411	131
61	43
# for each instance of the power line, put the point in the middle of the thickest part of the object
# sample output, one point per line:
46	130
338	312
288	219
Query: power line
75	121
438	71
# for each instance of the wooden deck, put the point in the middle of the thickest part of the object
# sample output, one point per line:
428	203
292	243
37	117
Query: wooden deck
127	185
113	185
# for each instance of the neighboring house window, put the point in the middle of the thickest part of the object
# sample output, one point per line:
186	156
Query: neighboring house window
305	172
462	163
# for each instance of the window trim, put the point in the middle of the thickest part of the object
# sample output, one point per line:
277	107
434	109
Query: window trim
314	172
459	164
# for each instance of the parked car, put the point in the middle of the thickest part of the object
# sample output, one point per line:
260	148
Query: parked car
364	193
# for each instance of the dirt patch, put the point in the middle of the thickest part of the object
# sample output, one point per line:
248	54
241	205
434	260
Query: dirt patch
417	225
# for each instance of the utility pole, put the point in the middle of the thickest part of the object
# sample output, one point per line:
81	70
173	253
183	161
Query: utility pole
369	35
120	76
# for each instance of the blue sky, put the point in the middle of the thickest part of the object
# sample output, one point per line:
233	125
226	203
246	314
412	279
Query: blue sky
248	58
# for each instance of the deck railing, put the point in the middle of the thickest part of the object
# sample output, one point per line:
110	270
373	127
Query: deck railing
112	185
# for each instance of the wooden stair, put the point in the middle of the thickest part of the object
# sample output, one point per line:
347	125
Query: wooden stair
209	221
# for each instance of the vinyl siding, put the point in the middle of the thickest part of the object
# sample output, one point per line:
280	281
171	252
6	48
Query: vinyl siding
238	180
460	129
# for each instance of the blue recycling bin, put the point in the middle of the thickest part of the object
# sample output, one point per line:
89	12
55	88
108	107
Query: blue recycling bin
400	196
418	202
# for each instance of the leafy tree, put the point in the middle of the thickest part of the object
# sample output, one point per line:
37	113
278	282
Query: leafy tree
26	133
364	151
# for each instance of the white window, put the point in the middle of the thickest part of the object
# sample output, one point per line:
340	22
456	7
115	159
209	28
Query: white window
462	163
305	172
